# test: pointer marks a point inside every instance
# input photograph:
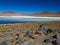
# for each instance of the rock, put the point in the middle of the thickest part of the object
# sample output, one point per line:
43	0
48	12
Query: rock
54	42
4	43
46	40
29	34
27	43
55	36
17	35
58	36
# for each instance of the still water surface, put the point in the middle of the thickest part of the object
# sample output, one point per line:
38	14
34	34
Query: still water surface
17	19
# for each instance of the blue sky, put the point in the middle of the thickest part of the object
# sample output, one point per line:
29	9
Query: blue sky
30	6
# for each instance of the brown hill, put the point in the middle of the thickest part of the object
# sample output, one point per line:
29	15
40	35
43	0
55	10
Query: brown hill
47	14
9	12
43	14
58	13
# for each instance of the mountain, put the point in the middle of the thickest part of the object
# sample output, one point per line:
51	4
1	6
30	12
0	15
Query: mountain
9	12
46	12
43	14
58	13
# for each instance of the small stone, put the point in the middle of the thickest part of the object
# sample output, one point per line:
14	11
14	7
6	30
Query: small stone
54	42
55	36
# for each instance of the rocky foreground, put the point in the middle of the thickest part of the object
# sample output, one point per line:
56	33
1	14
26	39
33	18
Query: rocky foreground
36	33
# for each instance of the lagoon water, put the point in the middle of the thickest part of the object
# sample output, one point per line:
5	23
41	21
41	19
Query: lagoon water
17	19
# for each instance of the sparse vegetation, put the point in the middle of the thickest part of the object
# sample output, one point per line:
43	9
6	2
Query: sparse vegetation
38	32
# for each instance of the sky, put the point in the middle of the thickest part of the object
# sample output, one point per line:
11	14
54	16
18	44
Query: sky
30	6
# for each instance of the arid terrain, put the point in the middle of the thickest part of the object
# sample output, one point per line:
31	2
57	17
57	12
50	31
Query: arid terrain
35	33
43	14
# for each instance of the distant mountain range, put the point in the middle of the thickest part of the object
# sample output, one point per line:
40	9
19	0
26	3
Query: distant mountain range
10	12
43	14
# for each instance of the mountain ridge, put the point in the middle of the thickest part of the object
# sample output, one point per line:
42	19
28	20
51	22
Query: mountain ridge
42	14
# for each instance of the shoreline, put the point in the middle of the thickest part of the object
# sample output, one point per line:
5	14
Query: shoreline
30	22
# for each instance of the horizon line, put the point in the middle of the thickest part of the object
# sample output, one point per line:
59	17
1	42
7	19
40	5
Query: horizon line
13	12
